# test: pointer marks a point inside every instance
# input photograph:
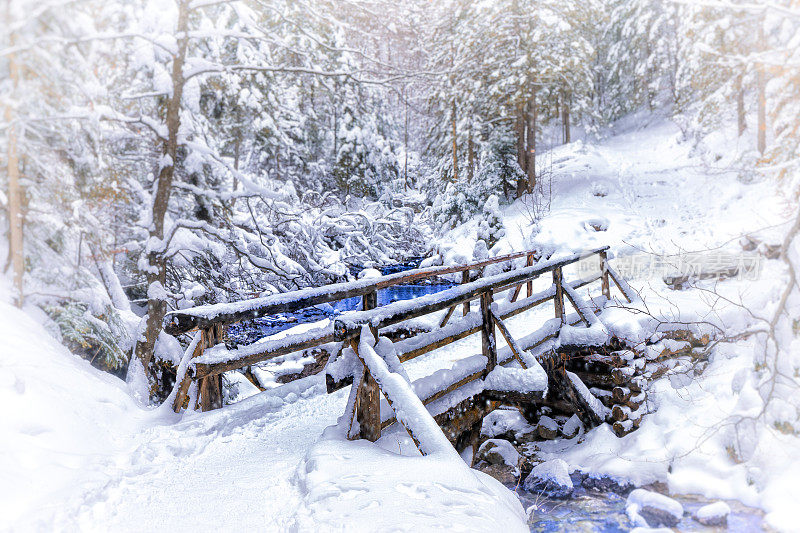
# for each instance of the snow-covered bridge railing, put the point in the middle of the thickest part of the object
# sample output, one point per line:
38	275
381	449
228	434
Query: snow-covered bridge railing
460	396
211	357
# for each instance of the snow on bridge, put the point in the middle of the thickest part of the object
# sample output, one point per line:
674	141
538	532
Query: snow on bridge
459	395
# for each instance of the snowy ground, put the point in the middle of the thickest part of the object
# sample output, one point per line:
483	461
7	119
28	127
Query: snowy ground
651	195
78	453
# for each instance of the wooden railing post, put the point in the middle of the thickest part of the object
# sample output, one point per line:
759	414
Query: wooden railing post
465	279
558	301
529	262
488	341
210	388
604	269
368	401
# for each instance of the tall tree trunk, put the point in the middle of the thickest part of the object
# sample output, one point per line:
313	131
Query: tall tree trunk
405	141
156	261
455	141
470	155
762	98
531	144
740	112
522	156
520	130
565	119
14	188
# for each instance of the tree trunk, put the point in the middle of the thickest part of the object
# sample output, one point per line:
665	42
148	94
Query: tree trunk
522	156
156	261
14	188
405	142
455	141
470	156
520	126
740	112
565	119
531	144
762	98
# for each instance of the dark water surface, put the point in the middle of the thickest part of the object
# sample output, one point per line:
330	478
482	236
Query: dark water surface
252	330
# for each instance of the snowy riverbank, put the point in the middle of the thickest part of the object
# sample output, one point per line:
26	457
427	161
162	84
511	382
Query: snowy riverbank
79	453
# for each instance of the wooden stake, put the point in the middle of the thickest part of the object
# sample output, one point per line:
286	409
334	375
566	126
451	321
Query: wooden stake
515	349
529	262
576	306
558	301
447	316
465	279
368	401
604	272
488	341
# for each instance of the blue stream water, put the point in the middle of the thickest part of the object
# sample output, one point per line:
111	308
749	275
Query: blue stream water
600	511
252	330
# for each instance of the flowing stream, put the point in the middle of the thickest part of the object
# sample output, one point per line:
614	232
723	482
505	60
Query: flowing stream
604	511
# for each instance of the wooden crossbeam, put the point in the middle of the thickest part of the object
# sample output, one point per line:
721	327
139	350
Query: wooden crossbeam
185	320
512	344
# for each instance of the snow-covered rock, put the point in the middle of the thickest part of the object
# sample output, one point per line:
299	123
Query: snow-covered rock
651	509
713	514
550	479
547	428
508	424
571	427
369	273
498	451
603	483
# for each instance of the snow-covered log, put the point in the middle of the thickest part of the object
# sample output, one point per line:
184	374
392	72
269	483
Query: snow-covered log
408	408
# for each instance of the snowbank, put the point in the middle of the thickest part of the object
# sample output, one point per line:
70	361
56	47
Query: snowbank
357	485
63	421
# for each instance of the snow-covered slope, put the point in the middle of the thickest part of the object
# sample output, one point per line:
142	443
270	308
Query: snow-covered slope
77	453
63	423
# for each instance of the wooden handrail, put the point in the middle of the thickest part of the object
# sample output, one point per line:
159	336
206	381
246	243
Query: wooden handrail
200	317
209	365
348	325
269	349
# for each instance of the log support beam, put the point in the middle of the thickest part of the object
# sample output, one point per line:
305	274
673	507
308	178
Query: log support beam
488	341
368	400
558	301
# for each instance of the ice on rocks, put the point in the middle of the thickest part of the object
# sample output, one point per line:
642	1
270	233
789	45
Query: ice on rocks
550	479
651	509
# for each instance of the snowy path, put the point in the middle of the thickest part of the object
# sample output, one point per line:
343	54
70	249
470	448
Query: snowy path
236	464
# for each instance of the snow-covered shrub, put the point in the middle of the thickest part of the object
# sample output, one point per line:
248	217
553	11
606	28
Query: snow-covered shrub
490	228
498	173
95	338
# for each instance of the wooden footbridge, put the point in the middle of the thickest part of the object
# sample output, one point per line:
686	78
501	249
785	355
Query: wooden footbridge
579	372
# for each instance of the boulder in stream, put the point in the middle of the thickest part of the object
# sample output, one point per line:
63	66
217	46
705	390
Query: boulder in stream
651	509
550	479
713	514
547	428
498	452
